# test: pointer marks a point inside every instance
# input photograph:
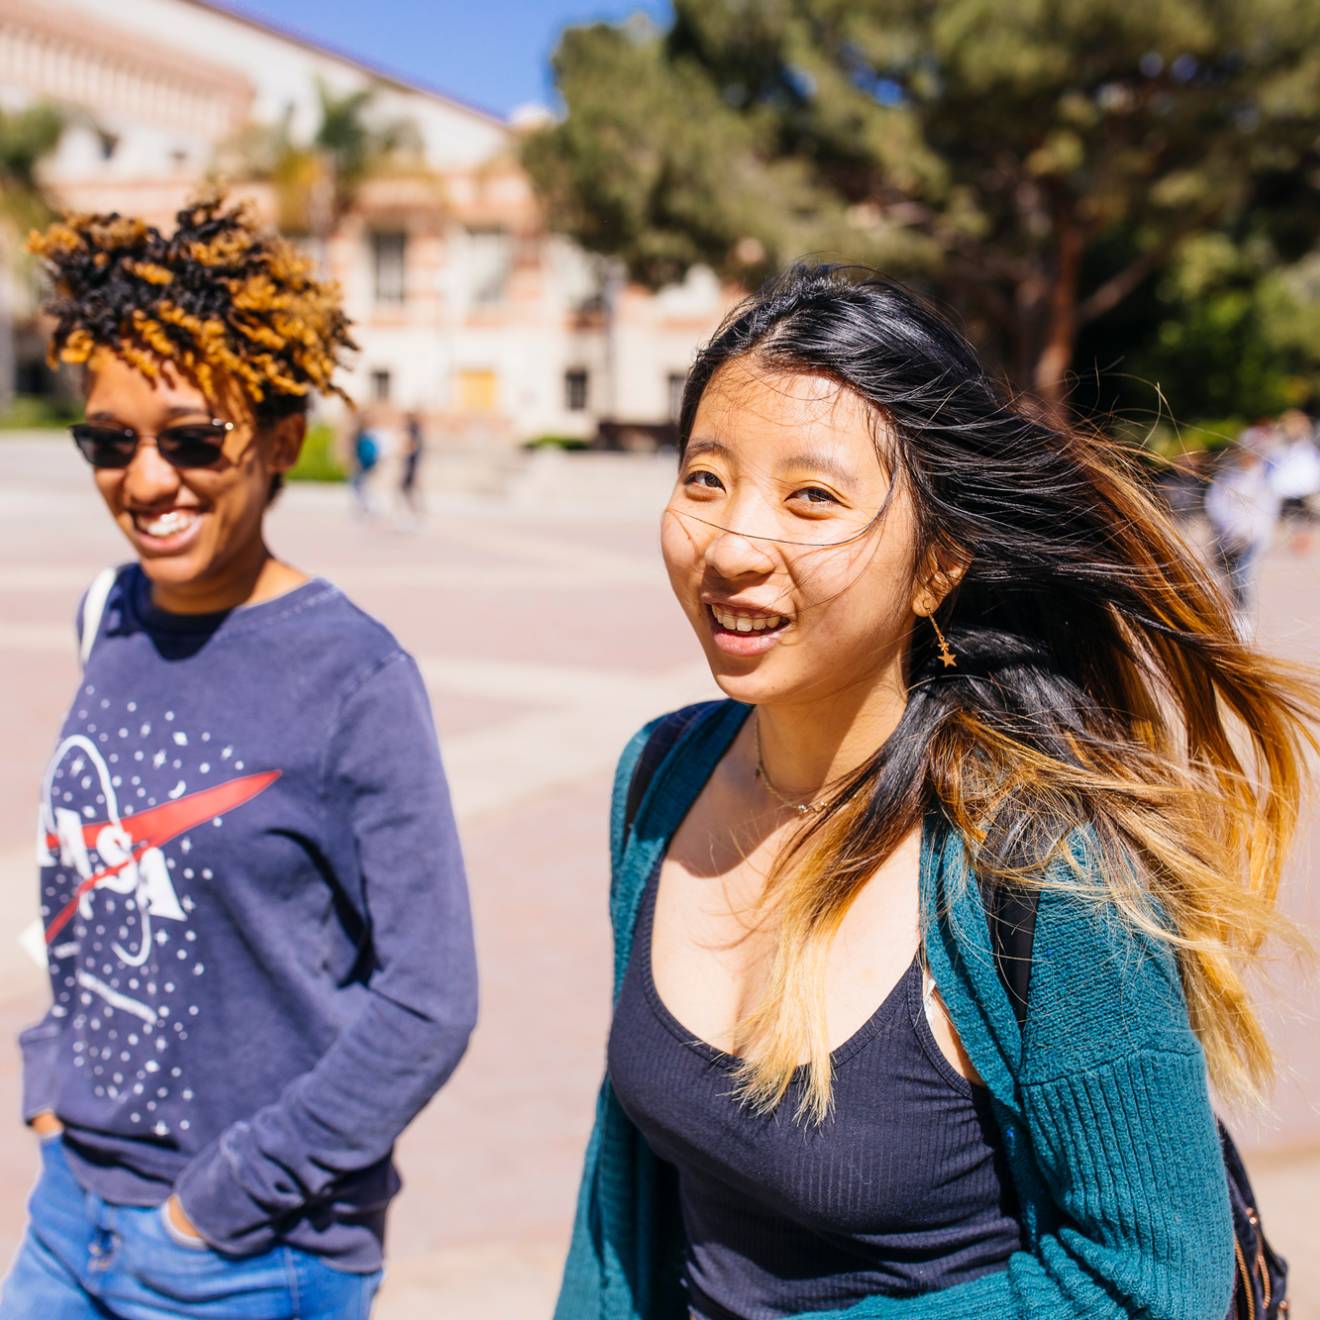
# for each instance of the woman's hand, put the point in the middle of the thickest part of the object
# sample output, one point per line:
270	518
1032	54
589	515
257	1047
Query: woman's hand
178	1220
45	1124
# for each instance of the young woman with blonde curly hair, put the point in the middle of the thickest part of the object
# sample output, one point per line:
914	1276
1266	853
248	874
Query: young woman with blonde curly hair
982	697
255	911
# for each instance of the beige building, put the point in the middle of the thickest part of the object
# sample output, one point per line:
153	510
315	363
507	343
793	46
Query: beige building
467	310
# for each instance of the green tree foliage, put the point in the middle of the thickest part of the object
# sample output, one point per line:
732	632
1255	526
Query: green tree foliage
27	137
1035	162
317	177
1225	333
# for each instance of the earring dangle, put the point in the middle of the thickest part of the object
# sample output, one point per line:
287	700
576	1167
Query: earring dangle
947	657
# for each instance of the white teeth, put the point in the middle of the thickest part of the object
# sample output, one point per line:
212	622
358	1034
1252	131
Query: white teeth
745	623
168	523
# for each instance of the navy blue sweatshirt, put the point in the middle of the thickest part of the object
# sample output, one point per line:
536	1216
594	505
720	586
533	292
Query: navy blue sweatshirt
256	917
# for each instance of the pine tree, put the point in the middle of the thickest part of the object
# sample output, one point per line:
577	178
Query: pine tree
1034	162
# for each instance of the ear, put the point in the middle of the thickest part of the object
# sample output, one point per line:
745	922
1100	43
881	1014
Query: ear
943	569
285	440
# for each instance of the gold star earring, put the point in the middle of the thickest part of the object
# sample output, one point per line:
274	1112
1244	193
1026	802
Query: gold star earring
947	657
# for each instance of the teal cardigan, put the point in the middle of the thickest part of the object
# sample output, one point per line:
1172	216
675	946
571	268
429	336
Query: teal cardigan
1101	1098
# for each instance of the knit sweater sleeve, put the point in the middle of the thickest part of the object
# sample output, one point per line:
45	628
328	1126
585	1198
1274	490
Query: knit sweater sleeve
384	773
1131	1155
1115	1101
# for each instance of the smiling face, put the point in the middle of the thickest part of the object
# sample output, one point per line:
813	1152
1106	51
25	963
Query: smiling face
197	531
788	544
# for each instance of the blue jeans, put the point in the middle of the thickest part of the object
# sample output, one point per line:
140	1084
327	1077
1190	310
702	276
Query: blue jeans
83	1257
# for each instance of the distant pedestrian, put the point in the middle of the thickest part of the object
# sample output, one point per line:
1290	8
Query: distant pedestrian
365	457
1295	476
929	938
414	446
256	918
1242	507
1183	486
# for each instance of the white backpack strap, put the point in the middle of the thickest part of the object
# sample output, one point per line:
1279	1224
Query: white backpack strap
93	607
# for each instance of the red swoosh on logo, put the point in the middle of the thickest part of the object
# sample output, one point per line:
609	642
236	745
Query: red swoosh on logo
158	825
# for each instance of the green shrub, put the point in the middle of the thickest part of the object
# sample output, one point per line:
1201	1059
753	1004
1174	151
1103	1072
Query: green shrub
32	412
318	459
1209	434
1213	433
557	442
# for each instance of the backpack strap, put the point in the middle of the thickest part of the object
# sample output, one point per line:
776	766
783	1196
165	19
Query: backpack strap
1011	913
93	607
664	737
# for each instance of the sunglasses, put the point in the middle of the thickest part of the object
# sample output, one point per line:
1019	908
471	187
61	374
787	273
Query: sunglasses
188	445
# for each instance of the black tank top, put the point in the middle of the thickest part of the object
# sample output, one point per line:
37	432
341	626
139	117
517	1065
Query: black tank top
903	1190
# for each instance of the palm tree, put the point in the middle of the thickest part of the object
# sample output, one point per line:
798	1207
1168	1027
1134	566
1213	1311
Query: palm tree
27	137
317	180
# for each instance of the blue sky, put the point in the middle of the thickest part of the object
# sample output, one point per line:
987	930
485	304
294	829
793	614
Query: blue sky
492	53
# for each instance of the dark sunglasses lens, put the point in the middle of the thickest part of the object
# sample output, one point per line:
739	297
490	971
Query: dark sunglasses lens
104	446
191	446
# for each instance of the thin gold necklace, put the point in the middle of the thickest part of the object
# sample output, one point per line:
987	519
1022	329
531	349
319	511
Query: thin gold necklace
815	806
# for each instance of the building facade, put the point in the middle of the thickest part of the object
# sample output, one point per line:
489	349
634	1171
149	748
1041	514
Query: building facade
466	308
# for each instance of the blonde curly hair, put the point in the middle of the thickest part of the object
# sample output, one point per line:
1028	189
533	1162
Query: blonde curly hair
220	294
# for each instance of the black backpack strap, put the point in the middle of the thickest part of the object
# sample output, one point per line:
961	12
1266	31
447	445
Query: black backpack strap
668	730
1011	913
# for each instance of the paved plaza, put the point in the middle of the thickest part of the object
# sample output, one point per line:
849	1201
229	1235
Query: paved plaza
546	633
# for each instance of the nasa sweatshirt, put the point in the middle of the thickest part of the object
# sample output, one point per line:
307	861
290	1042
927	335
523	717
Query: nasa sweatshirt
256	919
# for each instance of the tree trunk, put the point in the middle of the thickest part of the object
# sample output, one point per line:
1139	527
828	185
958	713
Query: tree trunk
1061	311
613	286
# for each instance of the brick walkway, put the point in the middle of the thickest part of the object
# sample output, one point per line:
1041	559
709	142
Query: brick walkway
546	634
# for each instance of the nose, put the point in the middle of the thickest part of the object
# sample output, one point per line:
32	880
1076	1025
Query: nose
149	479
734	555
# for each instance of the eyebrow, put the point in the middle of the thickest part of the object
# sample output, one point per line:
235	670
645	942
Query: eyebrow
821	463
810	459
178	410
707	447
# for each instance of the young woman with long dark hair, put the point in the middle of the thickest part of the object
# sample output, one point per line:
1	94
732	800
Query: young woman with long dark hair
976	679
255	912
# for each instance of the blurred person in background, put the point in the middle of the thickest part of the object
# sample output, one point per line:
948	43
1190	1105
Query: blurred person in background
1182	485
255	910
1295	476
1242	506
364	456
930	939
414	446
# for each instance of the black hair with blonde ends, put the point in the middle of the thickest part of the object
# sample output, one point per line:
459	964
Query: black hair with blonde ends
219	295
1100	684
